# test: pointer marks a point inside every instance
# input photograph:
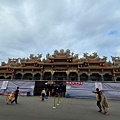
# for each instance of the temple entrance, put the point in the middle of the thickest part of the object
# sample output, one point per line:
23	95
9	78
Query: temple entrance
60	76
83	77
118	79
95	77
47	76
107	77
18	76
39	85
2	77
37	76
27	76
73	76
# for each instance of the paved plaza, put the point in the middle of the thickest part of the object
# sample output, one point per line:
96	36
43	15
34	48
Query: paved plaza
32	108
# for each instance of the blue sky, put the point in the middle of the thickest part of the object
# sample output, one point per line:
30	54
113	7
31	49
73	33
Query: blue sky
42	26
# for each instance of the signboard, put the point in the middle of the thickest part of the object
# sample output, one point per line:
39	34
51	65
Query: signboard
98	85
74	83
4	85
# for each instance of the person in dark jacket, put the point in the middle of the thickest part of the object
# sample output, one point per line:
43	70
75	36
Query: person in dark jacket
98	98
47	93
16	96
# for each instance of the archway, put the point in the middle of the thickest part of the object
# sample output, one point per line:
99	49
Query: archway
47	76
2	77
107	77
37	76
83	77
18	76
60	76
28	76
118	79
95	77
73	76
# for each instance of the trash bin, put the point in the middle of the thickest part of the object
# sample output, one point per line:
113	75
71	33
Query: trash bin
67	96
28	93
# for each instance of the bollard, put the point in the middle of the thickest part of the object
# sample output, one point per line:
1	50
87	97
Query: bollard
62	94
54	106
59	98
58	101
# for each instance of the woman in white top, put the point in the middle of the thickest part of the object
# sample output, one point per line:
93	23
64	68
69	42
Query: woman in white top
43	94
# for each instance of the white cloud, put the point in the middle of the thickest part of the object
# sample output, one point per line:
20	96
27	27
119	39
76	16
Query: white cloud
32	26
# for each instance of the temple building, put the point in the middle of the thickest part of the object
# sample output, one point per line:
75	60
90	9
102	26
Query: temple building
61	66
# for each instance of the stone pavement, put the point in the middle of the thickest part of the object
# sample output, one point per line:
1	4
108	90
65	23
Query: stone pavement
32	108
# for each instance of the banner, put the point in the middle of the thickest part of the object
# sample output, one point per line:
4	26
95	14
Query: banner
24	87
4	85
98	85
84	89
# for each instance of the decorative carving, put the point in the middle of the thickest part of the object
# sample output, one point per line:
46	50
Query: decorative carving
94	55
43	60
85	55
14	61
116	60
47	56
81	59
72	53
27	59
104	58
31	56
75	56
67	52
62	51
22	60
3	63
9	60
37	58
56	52
109	63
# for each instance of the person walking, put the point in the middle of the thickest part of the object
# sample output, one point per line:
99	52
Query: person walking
43	93
47	93
10	97
53	92
104	103
15	96
98	98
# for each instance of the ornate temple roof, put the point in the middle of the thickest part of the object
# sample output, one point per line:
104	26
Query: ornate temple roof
61	57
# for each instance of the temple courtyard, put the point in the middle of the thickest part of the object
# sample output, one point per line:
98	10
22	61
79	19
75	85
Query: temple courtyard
32	108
